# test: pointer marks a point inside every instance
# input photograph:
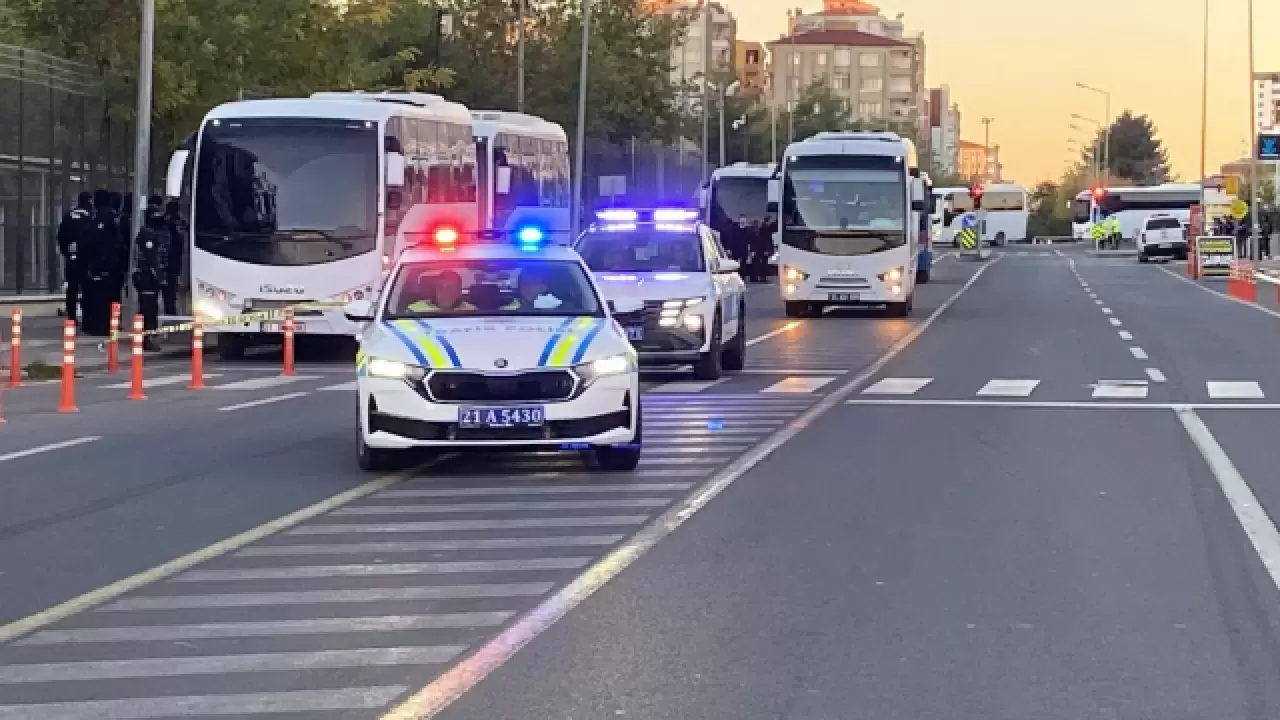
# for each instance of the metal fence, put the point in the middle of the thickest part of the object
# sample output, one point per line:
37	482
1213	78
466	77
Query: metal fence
639	172
55	140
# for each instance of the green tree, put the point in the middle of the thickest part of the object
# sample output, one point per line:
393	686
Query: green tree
1135	153
1049	216
816	110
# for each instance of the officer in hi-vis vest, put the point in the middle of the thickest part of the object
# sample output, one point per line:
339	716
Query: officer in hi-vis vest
447	296
1099	232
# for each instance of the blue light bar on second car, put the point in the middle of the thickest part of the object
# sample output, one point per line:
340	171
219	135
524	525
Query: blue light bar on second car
674	216
670	219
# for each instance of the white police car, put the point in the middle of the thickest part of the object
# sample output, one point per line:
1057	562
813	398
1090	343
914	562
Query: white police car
481	346
693	300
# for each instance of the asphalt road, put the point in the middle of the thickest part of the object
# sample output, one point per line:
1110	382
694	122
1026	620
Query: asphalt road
1044	495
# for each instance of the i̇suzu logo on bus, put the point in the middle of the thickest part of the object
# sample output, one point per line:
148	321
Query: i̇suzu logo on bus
270	289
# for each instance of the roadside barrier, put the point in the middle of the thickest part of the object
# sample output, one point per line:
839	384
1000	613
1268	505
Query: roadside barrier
1242	284
67	403
197	357
113	347
288	342
15	350
135	384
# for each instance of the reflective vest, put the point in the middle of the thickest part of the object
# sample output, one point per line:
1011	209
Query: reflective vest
428	306
1099	230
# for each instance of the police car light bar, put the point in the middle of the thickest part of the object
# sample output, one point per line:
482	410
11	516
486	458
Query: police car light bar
445	236
674	216
530	237
614	215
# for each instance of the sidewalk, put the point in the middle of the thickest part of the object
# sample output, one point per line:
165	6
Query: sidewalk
42	343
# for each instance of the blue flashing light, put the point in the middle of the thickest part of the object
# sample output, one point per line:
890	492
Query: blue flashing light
674	215
530	238
614	215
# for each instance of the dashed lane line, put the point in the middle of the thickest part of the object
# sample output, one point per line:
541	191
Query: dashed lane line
49	448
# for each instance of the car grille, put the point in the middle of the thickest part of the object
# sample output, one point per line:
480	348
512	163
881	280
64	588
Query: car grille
652	310
542	385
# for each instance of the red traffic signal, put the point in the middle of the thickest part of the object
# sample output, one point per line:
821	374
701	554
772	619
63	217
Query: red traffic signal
1098	192
975	192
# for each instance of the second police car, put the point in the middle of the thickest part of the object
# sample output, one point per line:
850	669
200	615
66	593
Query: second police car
475	345
693	299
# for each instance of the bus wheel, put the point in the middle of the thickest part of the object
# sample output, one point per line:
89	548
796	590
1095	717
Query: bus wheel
902	309
1000	239
231	346
797	309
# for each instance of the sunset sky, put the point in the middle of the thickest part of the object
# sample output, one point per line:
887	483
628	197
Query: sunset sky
1018	61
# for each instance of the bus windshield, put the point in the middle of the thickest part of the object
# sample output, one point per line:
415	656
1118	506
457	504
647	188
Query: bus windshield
1080	210
286	191
737	198
844	193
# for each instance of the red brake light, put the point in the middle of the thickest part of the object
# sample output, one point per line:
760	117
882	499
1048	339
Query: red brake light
445	236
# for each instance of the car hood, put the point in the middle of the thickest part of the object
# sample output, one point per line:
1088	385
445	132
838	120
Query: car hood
488	344
652	286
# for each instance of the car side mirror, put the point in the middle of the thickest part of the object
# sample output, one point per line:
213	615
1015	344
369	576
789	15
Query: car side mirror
771	206
395	170
502	181
728	265
622	306
358	311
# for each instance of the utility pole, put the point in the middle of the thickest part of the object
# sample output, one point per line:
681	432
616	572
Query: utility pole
986	148
1255	192
1204	115
706	89
524	11
142	136
581	151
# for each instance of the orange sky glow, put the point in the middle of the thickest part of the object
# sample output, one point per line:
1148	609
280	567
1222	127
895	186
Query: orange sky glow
1018	61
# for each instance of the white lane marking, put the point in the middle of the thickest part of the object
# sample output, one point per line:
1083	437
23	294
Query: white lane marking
49	448
1252	516
1121	392
1125	335
1106	311
1114	322
798	385
160	381
1099	302
897	386
518	506
266	628
789	326
361	548
462	525
1008	388
453	683
686	387
263	401
1138	353
146	603
1227	390
303	702
448	567
219	664
1082	405
793	371
531	490
1156	375
341	387
266	383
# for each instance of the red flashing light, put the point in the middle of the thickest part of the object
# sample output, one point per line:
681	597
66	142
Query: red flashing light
1099	192
975	192
445	236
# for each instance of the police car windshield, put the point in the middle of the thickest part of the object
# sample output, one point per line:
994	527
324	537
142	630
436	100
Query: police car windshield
642	250
509	287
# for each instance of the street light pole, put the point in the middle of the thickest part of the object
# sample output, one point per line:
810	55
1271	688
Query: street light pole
707	47
581	151
1255	247
1106	138
524	11
986	148
725	92
142	131
1204	115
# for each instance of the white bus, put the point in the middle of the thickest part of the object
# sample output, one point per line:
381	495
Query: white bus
1006	210
311	199
1132	205
850	222
523	175
737	192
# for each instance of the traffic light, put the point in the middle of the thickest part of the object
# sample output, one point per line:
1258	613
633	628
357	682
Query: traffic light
1099	192
975	193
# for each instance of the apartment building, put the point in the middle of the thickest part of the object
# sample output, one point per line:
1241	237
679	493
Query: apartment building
979	164
942	125
1266	101
698	54
750	65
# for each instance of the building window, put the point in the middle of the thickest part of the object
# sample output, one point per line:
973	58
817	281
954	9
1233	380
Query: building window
840	81
902	61
900	85
822	59
868	60
844	106
795	59
872	84
795	83
868	108
753	57
843	57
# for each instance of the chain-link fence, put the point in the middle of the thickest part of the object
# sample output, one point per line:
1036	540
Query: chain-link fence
55	140
639	172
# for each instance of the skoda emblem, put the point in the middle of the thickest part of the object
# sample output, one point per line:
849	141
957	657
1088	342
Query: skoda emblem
500	363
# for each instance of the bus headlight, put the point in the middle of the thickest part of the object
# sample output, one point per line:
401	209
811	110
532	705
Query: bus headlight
793	274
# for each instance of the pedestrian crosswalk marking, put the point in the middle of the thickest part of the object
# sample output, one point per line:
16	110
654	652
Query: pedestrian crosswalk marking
1121	390
897	386
686	386
161	381
264	383
305	702
1008	388
1231	390
798	385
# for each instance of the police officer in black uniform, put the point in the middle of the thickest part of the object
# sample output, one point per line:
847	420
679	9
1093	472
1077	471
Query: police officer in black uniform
761	249
74	234
148	273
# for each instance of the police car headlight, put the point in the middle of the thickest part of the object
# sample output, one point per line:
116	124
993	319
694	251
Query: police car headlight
394	370
605	367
